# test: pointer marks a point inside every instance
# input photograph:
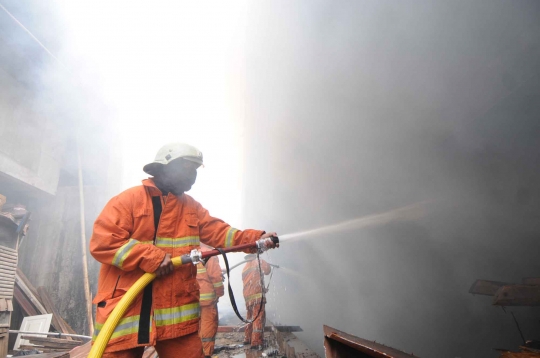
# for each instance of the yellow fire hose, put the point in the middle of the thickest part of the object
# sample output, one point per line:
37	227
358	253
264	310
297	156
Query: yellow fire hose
116	315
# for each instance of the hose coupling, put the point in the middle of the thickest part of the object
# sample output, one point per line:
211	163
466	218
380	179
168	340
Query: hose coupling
195	256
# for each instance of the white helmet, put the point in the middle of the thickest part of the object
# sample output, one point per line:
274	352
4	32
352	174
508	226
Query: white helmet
173	151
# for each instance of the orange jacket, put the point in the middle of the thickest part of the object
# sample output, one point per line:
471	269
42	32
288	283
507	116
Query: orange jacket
252	280
123	242
209	276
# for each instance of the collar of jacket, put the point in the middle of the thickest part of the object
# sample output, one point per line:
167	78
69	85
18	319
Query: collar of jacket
154	190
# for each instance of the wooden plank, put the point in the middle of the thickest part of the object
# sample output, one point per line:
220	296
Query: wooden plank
486	287
27	282
223	329
531	281
33	298
45	342
57	322
8	250
517	295
66	325
340	344
42	349
81	351
8	272
25	304
8	257
7	265
7	277
51	340
50	355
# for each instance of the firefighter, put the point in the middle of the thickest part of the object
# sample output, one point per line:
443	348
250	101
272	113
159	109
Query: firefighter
211	286
139	231
255	303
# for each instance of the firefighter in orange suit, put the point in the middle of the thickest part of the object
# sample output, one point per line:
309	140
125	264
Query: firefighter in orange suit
211	287
139	231
253	295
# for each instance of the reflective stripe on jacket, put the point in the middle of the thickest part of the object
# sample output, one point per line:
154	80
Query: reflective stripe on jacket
122	241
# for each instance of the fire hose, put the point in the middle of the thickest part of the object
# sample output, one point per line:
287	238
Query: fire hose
194	258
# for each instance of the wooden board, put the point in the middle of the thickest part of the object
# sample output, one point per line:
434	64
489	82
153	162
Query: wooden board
58	323
27	282
517	295
339	344
223	329
486	287
29	293
53	343
50	355
531	281
23	301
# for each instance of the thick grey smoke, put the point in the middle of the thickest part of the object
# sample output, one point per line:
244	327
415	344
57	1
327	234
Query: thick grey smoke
359	107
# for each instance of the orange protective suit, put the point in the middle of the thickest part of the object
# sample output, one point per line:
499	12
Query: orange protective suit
253	294
123	242
211	284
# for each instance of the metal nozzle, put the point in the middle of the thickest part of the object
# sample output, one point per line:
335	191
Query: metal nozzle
195	256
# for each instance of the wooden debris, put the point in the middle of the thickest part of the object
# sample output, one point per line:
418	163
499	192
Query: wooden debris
81	351
266	329
57	321
47	343
37	301
531	281
25	304
486	287
33	298
517	295
50	355
20	275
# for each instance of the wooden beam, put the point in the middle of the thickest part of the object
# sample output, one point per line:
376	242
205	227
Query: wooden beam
531	281
25	304
31	296
486	287
57	321
266	329
53	343
517	295
50	355
27	282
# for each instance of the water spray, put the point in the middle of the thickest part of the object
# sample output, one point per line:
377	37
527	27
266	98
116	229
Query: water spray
247	258
194	257
406	213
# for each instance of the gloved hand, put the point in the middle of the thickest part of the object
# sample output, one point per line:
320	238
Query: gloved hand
267	241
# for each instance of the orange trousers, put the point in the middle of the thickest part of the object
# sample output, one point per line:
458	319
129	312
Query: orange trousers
208	328
255	331
188	346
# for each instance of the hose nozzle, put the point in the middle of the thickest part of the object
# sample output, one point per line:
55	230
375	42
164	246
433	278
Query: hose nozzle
271	242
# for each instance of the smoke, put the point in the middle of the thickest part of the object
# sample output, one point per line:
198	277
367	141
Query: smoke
352	109
356	108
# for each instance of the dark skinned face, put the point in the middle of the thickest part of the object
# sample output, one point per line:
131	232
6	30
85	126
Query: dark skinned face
177	177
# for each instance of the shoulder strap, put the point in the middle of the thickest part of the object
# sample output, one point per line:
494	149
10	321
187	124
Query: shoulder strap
156	204
146	305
